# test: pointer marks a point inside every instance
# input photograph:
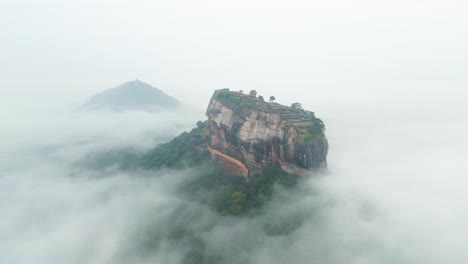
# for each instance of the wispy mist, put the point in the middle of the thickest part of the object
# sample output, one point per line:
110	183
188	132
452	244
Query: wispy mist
394	193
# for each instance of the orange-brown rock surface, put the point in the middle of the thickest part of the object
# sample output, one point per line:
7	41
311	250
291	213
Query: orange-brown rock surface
249	135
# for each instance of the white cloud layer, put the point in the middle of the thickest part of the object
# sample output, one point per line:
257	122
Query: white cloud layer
394	192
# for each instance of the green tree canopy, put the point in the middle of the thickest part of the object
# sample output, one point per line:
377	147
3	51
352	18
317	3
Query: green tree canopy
296	105
253	93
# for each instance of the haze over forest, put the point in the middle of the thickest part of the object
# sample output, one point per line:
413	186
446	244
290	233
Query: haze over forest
388	79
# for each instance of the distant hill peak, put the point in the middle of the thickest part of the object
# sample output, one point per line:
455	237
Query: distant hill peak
132	95
136	83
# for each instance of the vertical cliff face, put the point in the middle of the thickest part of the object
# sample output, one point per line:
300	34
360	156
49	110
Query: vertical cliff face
248	135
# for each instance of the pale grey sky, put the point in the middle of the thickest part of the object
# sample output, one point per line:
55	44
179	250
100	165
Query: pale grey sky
336	50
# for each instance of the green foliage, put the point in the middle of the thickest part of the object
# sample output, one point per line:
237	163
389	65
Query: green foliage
233	194
296	105
253	93
228	96
239	101
272	98
261	98
225	193
179	152
264	186
231	202
124	159
283	224
313	131
319	126
313	128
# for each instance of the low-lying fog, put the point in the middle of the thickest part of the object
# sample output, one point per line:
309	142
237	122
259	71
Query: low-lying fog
395	191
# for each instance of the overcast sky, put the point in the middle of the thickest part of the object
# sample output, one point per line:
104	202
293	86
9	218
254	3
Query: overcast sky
365	49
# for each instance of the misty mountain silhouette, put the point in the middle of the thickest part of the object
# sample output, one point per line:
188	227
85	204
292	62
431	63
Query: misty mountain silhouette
133	95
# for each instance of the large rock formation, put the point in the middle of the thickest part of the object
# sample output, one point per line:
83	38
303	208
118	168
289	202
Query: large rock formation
248	135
